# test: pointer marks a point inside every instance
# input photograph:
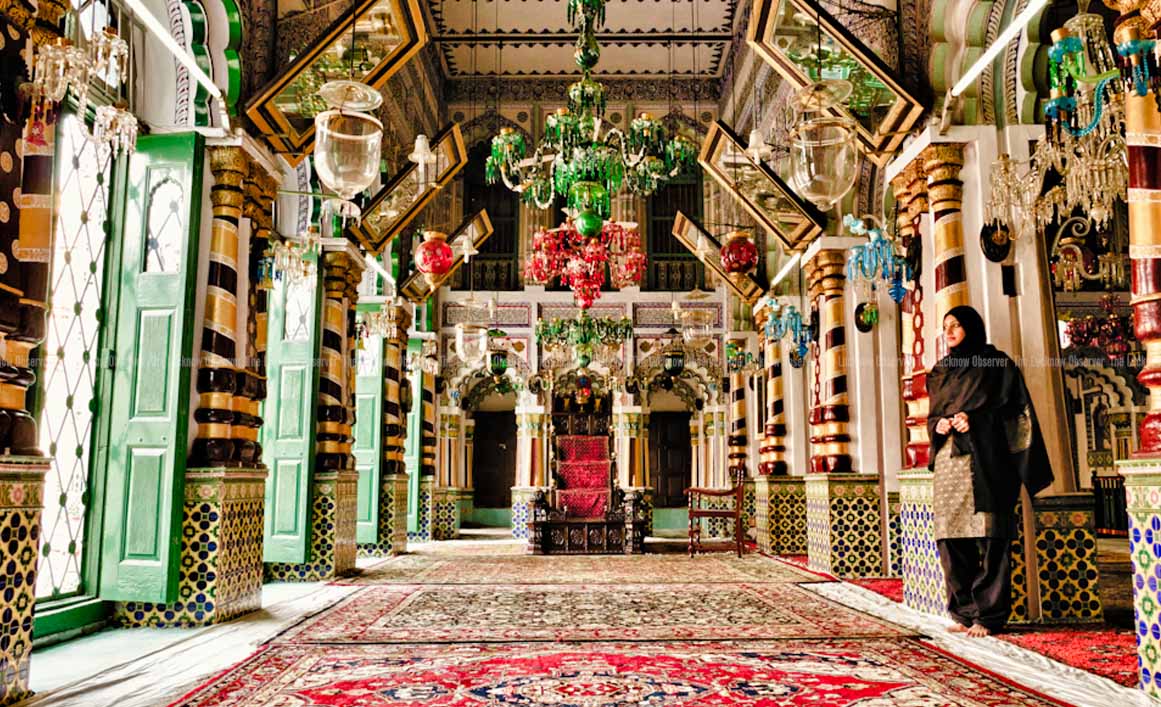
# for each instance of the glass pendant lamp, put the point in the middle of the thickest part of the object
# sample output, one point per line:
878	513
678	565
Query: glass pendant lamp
823	154
348	143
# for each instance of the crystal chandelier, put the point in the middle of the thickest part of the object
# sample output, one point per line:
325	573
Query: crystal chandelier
785	320
739	360
426	359
1074	262
579	260
876	261
294	260
579	160
63	67
584	334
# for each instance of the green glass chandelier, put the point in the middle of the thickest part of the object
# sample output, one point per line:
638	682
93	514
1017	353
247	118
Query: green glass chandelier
584	334
579	160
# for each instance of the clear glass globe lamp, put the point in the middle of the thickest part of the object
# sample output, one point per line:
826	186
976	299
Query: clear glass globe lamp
824	156
348	142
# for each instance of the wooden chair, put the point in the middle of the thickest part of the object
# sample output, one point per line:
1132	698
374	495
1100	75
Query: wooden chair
696	512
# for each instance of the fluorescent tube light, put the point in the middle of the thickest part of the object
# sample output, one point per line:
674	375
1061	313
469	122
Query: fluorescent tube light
179	52
993	51
786	270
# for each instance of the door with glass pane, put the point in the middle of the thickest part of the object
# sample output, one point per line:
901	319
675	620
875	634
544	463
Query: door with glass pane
288	432
154	336
368	448
71	369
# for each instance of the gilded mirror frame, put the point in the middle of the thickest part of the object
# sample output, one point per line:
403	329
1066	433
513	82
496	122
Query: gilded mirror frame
416	289
878	146
296	144
690	232
374	241
806	219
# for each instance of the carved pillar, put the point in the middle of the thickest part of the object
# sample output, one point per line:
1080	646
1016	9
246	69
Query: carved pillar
251	389
392	532
942	164
773	450
911	195
468	495
217	378
738	440
428	441
697	473
829	418
530	472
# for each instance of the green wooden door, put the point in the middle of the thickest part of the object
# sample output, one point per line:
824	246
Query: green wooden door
413	445
288	432
368	447
154	334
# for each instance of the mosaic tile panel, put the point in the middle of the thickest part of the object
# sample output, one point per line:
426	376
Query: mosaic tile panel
422	533
923	586
842	519
21	500
570	311
445	523
749	510
521	498
646	504
659	315
220	575
507	314
1143	495
392	518
762	512
894	551
788	515
1066	554
1020	610
334	511
719	528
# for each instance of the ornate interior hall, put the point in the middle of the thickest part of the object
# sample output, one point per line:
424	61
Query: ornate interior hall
583	353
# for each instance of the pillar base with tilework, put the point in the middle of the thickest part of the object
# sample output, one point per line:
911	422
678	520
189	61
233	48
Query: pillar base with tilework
787	522
1143	493
220	577
842	524
522	497
1066	559
424	511
445	523
894	546
392	519
762	512
334	509
466	501
749	510
21	500
923	587
646	504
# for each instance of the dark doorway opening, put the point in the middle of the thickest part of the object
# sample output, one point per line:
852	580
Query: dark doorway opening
670	458
494	458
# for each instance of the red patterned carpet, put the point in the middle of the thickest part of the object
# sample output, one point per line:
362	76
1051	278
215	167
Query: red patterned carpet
1102	650
827	673
1105	651
584	612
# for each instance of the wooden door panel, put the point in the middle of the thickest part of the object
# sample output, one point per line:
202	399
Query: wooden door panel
494	459
160	212
671	458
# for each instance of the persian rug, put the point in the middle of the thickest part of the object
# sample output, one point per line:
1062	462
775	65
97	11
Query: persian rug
1101	650
527	569
584	612
823	673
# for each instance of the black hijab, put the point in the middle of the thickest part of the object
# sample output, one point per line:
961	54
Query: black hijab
978	379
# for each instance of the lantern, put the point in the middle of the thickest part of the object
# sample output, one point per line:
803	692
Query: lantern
673	357
739	255
433	257
348	142
498	363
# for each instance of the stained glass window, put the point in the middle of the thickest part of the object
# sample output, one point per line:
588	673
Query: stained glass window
70	354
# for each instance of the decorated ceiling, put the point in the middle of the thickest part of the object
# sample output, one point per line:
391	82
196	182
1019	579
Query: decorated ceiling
642	39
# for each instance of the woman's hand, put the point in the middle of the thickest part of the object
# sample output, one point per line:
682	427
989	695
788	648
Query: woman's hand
960	422
943	426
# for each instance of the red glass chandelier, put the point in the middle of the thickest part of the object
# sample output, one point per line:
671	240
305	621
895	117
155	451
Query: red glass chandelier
579	261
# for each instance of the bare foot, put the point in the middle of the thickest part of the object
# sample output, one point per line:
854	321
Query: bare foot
978	631
957	628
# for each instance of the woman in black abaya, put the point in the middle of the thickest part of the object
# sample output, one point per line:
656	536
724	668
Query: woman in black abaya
985	444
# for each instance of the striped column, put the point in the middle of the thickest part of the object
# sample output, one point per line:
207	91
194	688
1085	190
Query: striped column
428	439
1143	136
32	252
217	378
738	440
635	459
469	450
773	449
251	388
942	164
394	418
911	195
830	418
334	416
